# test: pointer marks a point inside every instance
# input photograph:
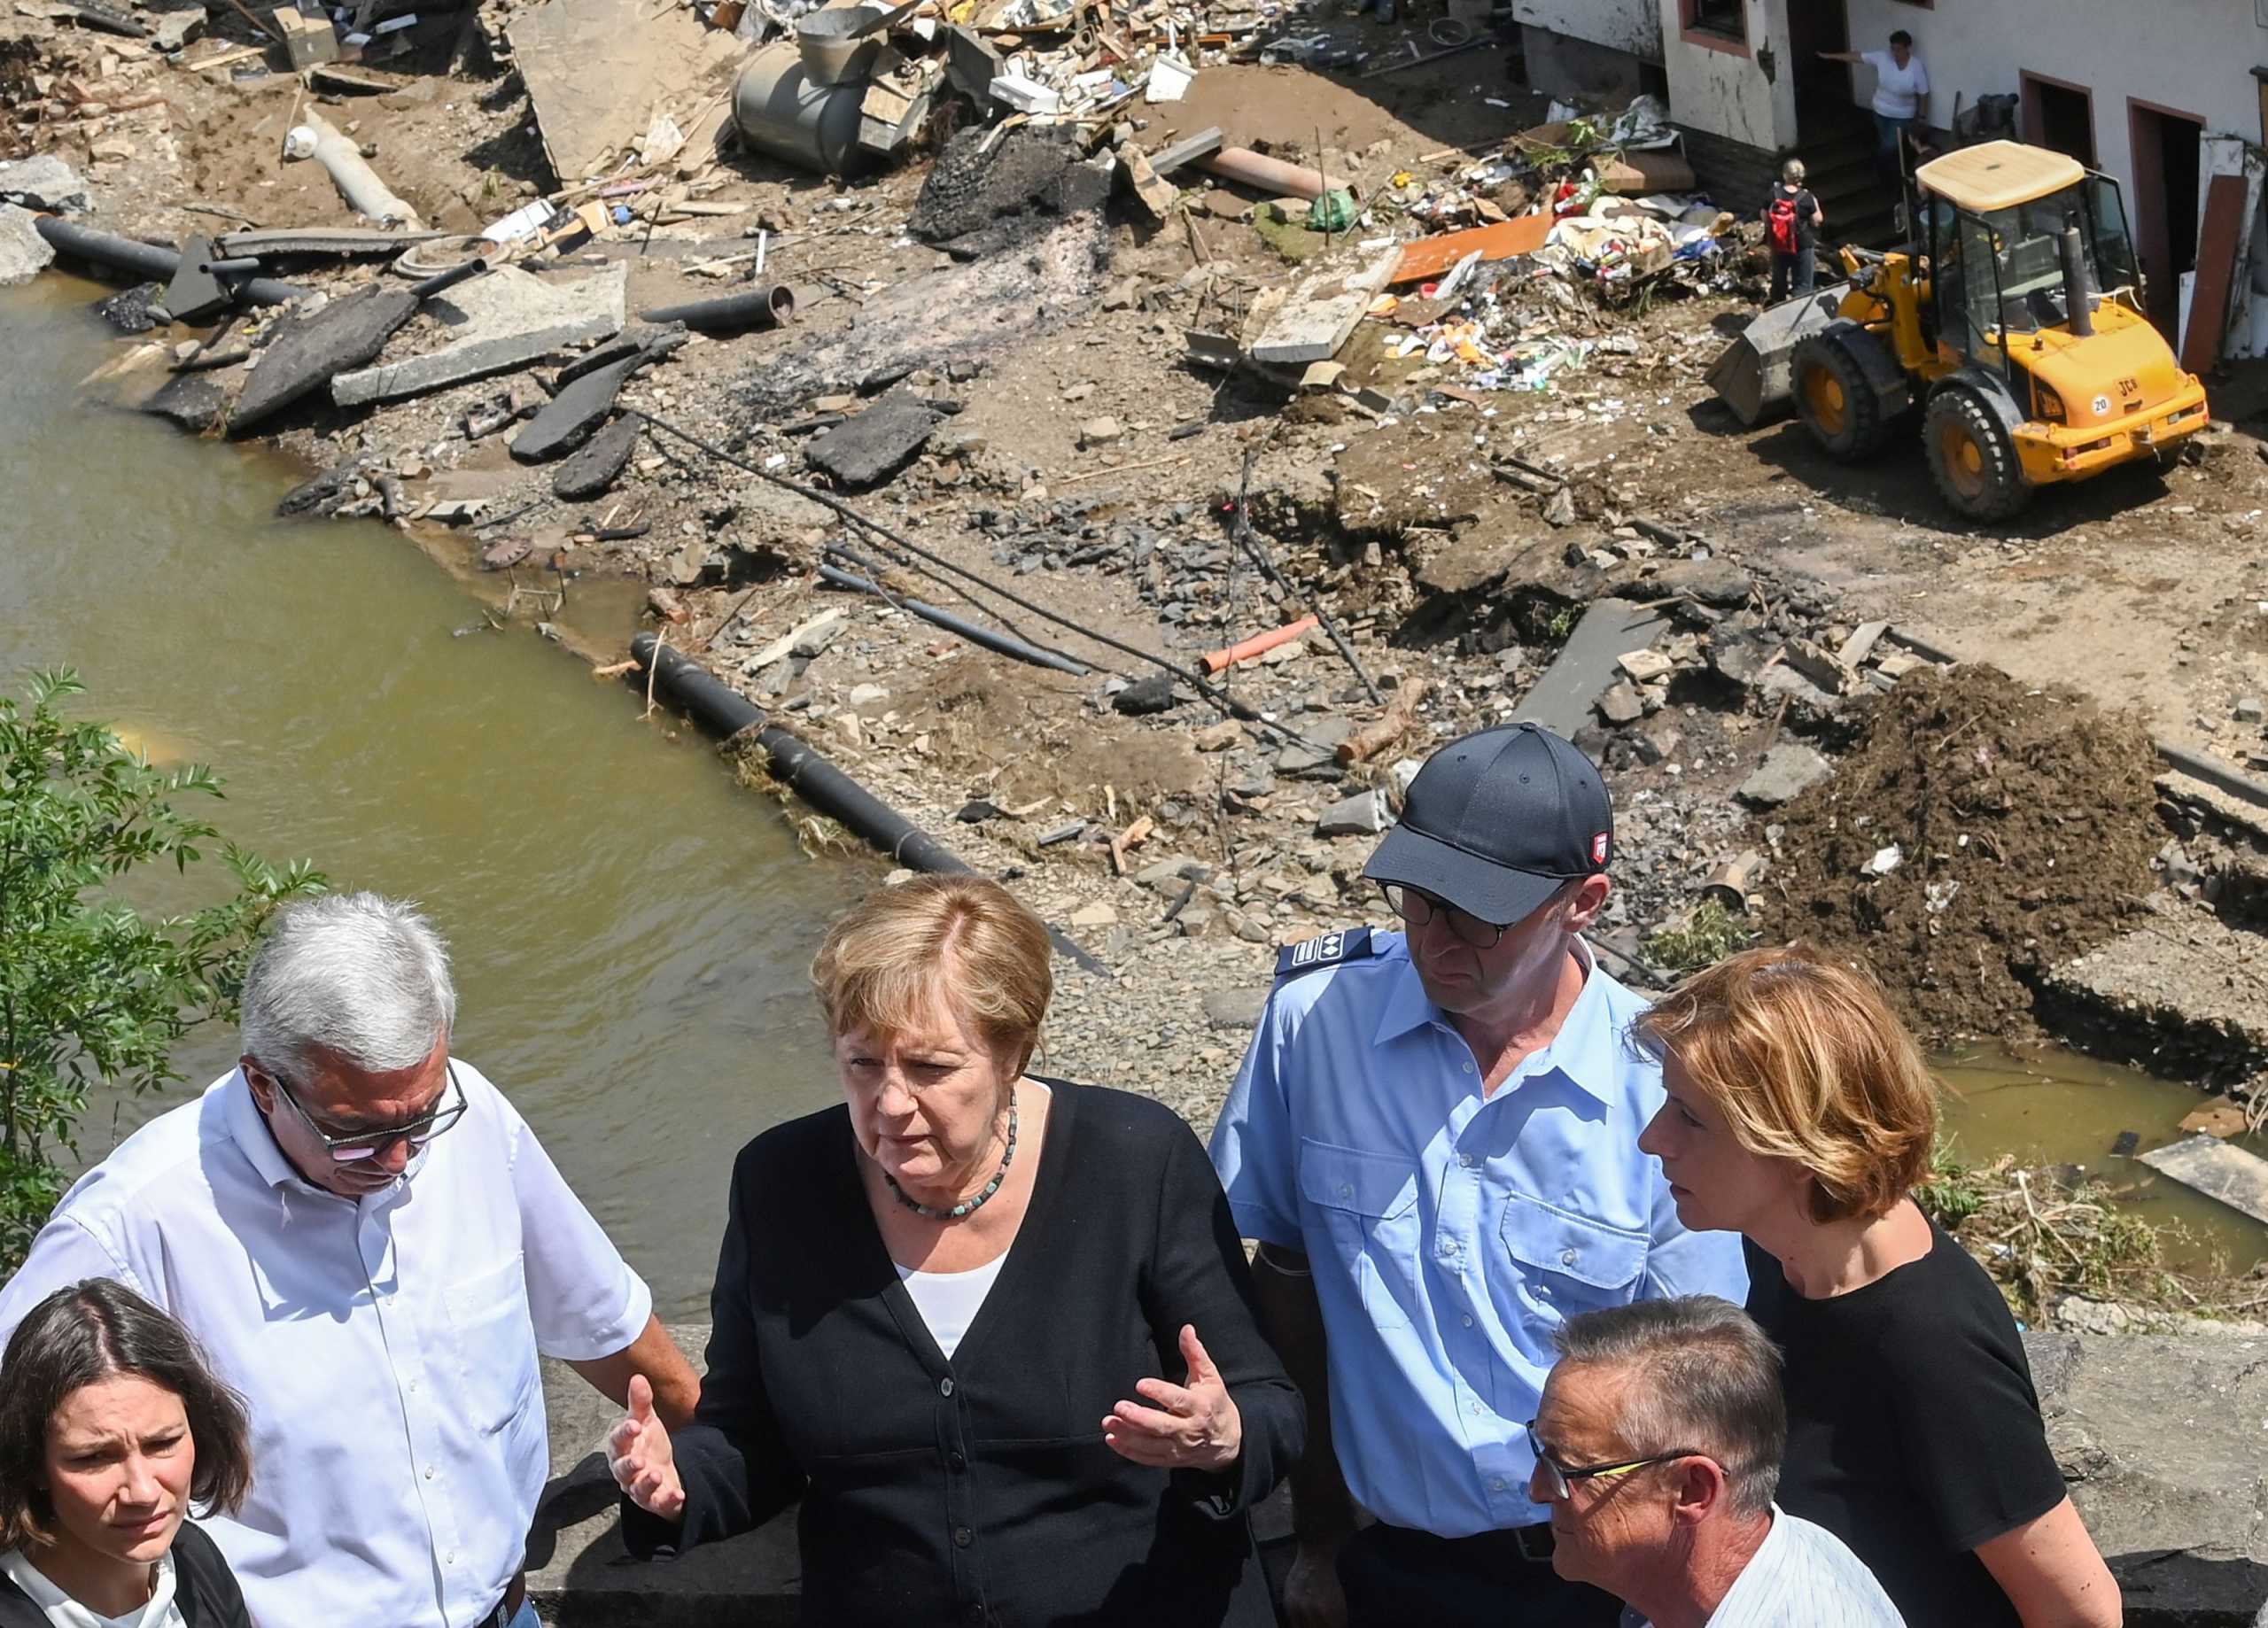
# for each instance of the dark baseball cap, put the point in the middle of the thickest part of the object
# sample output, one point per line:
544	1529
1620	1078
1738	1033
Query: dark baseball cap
1496	821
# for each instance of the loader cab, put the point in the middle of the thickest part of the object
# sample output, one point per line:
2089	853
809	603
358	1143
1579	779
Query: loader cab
1993	224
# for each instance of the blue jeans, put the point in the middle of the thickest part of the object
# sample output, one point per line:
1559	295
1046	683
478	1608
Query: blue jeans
527	1618
1888	135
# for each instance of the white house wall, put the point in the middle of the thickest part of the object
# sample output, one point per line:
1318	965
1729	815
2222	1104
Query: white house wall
2193	56
1632	26
1730	93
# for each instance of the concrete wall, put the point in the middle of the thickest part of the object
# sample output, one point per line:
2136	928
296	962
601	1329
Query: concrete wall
2193	56
1744	94
2161	1438
1632	26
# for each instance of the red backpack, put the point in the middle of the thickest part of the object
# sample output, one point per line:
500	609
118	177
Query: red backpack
1780	223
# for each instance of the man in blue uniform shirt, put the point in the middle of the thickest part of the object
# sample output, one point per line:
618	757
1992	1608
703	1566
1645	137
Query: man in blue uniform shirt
1434	1140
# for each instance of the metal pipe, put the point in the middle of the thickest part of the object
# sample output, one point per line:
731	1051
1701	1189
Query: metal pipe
149	261
763	307
779	110
796	763
985	636
1268	175
2078	288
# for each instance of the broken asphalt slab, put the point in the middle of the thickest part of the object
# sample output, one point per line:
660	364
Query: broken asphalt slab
195	401
867	450
1588	664
504	319
592	470
570	417
309	351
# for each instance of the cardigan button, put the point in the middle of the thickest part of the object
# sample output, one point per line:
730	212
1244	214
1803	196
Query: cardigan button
956	1460
963	1537
945	1387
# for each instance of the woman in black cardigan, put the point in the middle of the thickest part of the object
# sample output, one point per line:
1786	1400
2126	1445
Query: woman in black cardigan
994	1331
111	1427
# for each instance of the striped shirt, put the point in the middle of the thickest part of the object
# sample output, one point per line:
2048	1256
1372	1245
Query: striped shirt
1801	1577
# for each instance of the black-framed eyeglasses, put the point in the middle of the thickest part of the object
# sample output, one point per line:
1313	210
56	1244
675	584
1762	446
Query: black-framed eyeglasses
1417	907
361	1144
1559	1479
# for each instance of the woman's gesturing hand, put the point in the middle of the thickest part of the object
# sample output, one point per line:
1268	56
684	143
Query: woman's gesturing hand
1194	1426
638	1451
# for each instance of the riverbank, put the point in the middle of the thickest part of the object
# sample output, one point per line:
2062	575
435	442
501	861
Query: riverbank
1703	607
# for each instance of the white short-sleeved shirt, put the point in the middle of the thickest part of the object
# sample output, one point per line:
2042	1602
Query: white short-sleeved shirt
1897	91
1803	1576
385	1348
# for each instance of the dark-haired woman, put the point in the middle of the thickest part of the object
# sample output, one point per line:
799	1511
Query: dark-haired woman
111	1429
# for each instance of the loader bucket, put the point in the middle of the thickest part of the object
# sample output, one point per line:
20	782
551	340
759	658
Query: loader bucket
1751	375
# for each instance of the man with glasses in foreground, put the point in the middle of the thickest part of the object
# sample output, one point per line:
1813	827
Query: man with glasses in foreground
371	1246
1434	1140
1658	1448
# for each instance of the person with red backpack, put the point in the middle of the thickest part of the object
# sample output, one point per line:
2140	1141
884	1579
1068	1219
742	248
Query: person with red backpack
1792	223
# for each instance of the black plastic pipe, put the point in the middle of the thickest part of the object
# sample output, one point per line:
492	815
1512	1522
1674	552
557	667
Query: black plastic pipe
1005	644
450	278
725	712
148	260
763	307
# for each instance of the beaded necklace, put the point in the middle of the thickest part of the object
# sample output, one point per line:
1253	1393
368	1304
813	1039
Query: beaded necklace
966	1206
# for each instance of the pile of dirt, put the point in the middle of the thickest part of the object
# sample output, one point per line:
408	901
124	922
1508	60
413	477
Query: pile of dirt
2024	821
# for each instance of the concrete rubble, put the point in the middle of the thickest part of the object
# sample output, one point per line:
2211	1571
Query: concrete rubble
505	320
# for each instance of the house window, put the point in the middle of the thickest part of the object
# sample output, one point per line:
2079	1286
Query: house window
1727	20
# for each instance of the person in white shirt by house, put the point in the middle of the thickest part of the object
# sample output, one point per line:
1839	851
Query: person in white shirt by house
1901	99
1657	1449
371	1246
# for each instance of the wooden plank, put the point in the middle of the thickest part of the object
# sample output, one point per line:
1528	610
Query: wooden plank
2217	245
1431	257
2211	1167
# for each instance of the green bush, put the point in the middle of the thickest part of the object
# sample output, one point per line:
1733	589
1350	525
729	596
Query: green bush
1704	937
90	988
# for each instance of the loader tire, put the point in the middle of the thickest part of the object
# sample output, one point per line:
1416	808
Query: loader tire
1836	401
1972	458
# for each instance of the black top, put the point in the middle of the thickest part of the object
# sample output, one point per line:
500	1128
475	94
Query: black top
1913	1432
1807	212
979	1489
204	1587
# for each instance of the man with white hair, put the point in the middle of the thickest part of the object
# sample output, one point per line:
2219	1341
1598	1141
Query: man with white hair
372	1247
1658	1448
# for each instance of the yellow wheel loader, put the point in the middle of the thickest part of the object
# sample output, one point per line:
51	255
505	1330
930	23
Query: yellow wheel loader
2013	321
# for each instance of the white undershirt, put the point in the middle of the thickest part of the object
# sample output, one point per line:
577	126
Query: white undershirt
64	1612
948	1302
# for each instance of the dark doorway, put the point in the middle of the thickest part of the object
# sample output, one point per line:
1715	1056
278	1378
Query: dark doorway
2059	116
1824	101
2167	147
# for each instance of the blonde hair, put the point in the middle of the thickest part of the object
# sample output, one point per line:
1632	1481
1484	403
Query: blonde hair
1792	171
964	941
1806	1062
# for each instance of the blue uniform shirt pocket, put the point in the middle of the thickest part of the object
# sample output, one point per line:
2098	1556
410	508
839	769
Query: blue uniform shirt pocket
1368	1205
1566	1264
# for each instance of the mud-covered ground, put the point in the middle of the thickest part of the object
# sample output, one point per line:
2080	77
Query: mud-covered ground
1086	466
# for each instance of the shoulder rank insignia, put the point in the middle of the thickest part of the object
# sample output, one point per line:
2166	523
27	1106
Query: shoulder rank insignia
1332	950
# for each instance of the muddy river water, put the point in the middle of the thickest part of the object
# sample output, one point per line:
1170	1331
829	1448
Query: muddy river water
630	927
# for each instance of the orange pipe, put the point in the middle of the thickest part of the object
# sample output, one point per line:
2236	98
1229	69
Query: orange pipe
1259	644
